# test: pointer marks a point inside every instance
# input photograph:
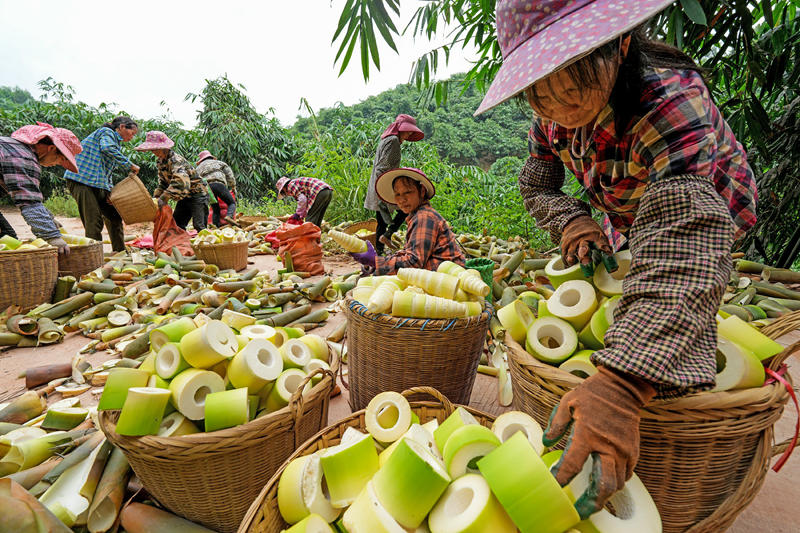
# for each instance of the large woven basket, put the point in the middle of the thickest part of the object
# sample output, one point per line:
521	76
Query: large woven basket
212	478
81	260
371	225
224	255
132	201
27	278
264	517
394	353
703	457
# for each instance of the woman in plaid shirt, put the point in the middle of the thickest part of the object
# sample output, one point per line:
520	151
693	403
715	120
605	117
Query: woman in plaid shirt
635	123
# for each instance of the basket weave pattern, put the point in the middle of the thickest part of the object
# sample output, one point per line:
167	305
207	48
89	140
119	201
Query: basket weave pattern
225	255
703	457
387	353
264	517
27	278
132	201
81	260
212	478
370	224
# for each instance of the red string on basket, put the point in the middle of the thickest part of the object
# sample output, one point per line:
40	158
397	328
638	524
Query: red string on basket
778	376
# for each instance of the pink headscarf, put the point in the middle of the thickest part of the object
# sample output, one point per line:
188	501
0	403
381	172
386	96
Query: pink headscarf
404	123
63	139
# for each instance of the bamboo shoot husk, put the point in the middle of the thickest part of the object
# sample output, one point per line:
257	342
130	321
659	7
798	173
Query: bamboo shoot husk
24	408
141	518
31	476
107	499
71	459
63	288
49	332
68	306
43	374
337	334
286	317
316	316
23	513
22	325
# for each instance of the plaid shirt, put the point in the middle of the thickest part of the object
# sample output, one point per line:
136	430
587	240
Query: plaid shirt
305	191
177	179
215	171
100	156
429	242
20	171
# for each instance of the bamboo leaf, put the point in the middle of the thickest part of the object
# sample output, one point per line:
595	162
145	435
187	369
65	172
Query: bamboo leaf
694	11
766	6
343	18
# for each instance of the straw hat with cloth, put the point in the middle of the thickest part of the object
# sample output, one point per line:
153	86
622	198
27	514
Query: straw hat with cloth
155	140
384	184
404	123
63	139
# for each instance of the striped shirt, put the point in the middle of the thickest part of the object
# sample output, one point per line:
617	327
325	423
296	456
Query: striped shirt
429	242
305	191
215	171
101	155
20	171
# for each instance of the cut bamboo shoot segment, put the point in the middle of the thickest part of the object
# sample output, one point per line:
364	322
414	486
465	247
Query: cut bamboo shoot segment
525	488
381	299
175	425
258	331
19	434
737	330
516	317
351	243
388	416
117	384
291	333
469	279
295	353
119	317
611	284
318	346
149	363
169	361
206	346
370	281
286	385
468	505
551	339
190	388
634	509
314	489
290	491
573	301
509	423
237	320
143	411
580	364
410	304
25	453
465	447
226	409
434	283
362	294
348	466
170	332
367	515
460	417
313	365
313	523
418	434
737	367
64	418
558	274
410	483
255	365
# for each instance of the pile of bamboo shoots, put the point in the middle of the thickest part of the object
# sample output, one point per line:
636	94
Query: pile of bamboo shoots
12	244
759	294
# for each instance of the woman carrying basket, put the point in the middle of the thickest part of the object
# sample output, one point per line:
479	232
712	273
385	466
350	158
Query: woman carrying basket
387	156
635	122
91	184
429	240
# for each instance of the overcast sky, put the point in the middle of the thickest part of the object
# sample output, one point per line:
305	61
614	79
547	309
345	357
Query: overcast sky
140	53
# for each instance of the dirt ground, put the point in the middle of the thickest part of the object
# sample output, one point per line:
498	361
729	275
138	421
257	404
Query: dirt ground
774	509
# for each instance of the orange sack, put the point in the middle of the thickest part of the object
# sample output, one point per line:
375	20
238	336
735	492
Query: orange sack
167	234
303	243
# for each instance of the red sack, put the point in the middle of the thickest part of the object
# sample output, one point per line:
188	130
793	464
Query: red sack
303	243
223	211
167	234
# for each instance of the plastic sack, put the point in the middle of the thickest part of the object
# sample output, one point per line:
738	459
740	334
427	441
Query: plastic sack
303	243
167	234
223	210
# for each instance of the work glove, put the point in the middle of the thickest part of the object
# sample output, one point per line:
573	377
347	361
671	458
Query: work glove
603	415
366	258
576	238
58	242
295	219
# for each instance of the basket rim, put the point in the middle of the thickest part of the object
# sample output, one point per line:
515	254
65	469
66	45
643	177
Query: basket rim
371	224
78	246
431	324
7	253
244	244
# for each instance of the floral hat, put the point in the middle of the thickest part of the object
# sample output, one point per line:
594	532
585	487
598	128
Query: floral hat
202	156
63	139
155	140
404	123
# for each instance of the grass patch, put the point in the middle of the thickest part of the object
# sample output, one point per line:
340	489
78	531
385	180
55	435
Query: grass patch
62	204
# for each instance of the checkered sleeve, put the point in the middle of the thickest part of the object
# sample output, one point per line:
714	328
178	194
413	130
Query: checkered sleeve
110	147
421	237
664	329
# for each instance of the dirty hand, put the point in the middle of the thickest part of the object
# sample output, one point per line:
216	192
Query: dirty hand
161	202
366	258
134	168
58	242
575	239
603	413
295	219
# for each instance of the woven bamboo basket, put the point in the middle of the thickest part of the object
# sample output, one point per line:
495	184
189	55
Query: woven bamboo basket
27	278
370	224
703	457
395	353
225	254
264	517
132	201
81	260
212	478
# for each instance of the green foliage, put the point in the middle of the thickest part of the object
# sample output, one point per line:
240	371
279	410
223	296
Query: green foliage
9	96
61	203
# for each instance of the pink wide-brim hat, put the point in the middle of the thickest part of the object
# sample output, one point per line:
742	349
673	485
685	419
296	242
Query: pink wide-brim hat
539	37
383	185
404	123
63	139
281	183
202	156
155	140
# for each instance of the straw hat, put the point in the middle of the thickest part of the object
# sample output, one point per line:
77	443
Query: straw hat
202	156
155	140
538	38
63	139
383	185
